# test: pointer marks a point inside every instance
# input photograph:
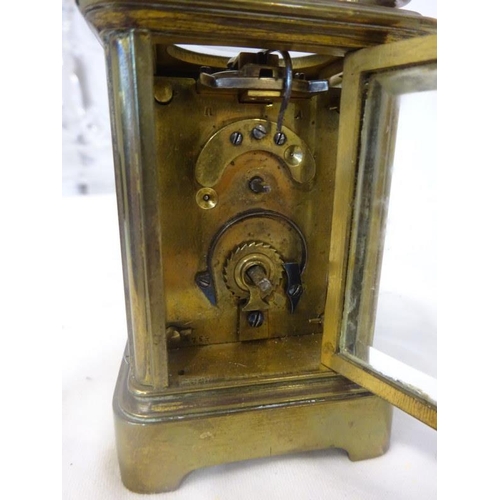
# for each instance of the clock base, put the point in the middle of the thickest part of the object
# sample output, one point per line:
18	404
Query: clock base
161	437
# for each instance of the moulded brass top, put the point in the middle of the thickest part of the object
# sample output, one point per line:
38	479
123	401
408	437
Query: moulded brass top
324	26
382	3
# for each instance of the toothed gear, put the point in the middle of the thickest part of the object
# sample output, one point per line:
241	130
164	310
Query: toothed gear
244	256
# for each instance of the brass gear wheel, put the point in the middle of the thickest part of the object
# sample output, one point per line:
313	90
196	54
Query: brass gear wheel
242	258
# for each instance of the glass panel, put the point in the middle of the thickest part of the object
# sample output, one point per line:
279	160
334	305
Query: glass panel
390	321
405	326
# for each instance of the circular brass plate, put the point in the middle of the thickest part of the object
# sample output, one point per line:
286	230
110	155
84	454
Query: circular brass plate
294	155
207	198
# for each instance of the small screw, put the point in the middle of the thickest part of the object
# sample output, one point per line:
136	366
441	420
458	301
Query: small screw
295	290
259	132
236	138
203	280
255	318
279	138
206	197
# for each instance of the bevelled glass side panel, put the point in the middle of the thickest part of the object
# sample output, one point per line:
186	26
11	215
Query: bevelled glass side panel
389	322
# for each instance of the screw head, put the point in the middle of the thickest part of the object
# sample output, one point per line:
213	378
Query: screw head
255	318
279	138
236	138
259	132
203	280
295	290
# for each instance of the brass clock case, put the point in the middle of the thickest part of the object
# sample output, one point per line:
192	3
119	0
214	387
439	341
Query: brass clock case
226	177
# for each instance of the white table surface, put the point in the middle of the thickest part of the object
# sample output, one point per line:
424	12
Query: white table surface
94	335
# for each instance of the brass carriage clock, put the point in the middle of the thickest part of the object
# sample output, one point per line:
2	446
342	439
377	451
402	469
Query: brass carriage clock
253	194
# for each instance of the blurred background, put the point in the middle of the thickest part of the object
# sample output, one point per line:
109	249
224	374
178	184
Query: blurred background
87	164
87	161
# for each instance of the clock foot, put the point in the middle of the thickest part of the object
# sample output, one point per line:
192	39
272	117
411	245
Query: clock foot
161	438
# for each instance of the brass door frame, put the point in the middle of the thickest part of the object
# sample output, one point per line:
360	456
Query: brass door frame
342	265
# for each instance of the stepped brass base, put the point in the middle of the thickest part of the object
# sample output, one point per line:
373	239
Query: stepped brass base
161	438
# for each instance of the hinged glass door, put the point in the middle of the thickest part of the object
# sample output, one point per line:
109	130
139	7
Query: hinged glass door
380	317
